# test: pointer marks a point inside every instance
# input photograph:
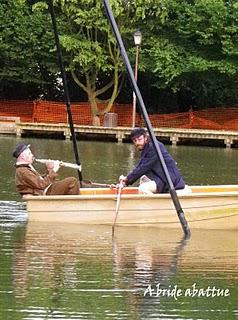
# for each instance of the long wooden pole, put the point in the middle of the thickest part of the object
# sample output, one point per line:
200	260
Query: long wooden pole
125	58
66	91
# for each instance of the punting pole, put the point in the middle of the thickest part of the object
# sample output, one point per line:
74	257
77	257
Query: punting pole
66	91
172	191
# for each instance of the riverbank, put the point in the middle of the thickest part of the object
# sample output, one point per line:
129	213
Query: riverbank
174	136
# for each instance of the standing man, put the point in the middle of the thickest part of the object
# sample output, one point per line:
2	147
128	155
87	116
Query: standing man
149	168
29	181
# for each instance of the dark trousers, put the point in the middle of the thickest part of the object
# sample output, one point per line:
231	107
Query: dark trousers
68	186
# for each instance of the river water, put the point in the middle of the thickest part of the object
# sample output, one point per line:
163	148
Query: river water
56	271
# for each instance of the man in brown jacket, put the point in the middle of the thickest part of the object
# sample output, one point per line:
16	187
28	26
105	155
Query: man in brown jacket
29	181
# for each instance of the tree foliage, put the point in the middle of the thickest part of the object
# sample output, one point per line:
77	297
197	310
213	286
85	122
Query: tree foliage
26	56
195	48
189	50
93	55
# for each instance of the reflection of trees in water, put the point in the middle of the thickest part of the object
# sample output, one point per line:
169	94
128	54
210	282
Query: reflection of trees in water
51	258
58	264
58	256
198	166
106	161
66	270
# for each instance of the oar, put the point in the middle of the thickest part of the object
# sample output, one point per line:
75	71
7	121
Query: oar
173	193
120	187
88	183
66	91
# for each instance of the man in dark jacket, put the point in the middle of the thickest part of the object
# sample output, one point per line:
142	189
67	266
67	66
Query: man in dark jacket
149	168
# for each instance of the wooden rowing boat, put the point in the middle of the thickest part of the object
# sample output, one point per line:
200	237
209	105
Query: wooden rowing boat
205	207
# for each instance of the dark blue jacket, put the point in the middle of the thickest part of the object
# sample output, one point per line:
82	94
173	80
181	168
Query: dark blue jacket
150	166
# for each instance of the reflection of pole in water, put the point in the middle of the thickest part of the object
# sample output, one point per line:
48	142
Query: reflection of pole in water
157	268
118	266
138	264
144	263
177	255
131	157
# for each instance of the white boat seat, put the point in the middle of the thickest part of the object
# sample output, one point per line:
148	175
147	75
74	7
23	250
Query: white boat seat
186	190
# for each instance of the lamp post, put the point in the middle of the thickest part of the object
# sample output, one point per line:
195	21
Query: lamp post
137	41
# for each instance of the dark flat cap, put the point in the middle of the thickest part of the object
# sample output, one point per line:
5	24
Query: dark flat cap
19	149
137	132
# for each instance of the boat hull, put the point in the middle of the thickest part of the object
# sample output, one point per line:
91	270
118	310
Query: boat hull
207	208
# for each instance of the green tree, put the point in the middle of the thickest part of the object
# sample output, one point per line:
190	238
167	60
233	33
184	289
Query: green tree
92	51
92	55
189	48
26	56
194	47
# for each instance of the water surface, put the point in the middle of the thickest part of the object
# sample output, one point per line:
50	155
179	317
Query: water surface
57	271
106	161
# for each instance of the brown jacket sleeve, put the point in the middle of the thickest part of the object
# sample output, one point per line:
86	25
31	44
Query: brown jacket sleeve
31	182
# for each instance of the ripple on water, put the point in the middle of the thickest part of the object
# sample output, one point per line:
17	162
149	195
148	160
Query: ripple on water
12	212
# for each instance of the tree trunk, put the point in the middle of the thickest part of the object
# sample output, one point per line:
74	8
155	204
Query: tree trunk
94	109
96	121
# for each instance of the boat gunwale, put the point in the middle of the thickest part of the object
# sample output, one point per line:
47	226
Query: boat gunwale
131	196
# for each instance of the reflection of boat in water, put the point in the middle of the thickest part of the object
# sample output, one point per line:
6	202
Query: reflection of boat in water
152	243
206	207
82	265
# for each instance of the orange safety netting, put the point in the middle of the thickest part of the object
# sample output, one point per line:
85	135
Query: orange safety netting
55	112
212	119
17	108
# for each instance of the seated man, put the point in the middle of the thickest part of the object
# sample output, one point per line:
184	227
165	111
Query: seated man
149	168
29	181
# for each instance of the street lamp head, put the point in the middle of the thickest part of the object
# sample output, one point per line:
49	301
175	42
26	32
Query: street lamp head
137	38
